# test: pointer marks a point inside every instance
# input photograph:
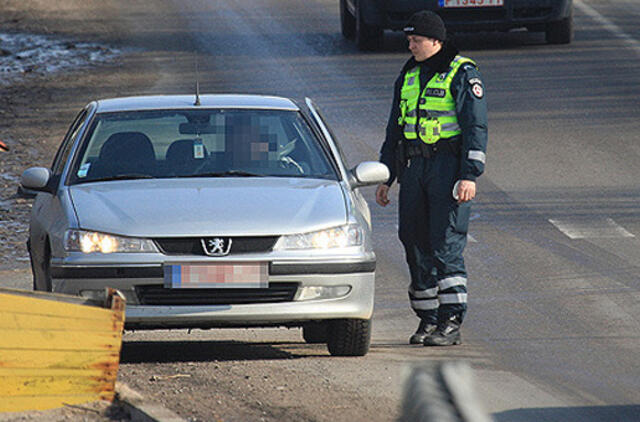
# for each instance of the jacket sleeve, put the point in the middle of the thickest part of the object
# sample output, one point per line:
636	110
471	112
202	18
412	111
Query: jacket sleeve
393	135
471	108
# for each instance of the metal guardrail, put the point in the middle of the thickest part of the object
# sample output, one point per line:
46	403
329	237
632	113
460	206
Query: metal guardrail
441	392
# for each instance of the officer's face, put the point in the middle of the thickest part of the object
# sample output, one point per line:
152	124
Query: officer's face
422	47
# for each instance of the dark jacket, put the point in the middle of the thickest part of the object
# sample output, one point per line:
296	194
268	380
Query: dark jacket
468	90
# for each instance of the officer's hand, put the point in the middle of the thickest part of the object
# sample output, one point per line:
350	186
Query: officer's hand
381	195
466	191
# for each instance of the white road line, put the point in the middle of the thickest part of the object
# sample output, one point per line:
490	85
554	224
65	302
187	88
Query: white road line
590	228
608	25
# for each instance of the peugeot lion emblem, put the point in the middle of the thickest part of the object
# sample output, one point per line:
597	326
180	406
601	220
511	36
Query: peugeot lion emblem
216	246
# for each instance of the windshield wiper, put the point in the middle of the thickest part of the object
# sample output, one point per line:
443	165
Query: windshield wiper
228	173
131	176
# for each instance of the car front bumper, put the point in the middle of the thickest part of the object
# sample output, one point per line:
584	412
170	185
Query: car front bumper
350	287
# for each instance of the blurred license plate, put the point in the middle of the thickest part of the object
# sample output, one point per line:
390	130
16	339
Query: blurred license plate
471	3
217	276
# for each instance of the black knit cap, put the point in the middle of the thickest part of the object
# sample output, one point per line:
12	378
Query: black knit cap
428	24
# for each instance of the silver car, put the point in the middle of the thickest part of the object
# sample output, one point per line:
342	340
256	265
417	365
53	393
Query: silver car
209	211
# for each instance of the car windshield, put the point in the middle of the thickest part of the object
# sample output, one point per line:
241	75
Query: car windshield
200	143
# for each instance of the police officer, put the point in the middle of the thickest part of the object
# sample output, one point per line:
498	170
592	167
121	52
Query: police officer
435	145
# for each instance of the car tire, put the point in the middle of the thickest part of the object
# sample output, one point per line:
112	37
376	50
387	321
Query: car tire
368	37
41	271
560	32
349	337
315	333
347	21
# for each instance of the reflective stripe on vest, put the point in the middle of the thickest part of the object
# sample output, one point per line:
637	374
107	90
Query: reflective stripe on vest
437	108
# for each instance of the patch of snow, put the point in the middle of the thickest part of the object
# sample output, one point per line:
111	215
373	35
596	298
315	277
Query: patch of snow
30	53
9	177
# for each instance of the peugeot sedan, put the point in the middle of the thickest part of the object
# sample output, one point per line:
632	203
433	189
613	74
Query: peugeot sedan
209	211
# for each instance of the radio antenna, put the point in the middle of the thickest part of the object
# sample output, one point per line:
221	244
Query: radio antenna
197	103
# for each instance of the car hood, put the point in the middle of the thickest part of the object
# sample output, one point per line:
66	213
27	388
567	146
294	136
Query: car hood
209	207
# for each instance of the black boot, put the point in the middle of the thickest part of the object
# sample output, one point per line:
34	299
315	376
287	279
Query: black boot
447	333
424	330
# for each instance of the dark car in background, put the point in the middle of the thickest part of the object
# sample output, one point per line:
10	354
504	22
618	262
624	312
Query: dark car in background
365	20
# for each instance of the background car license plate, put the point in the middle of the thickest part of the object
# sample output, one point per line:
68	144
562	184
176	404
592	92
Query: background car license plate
217	275
471	3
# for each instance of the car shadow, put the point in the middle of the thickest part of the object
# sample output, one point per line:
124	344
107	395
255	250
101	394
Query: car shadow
396	41
206	351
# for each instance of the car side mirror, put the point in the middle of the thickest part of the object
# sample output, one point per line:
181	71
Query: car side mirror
369	173
35	179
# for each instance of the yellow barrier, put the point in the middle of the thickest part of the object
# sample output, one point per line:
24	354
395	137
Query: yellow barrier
58	349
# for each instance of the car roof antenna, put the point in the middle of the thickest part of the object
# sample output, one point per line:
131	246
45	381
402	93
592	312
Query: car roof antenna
197	103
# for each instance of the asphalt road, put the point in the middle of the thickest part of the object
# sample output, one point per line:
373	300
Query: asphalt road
553	261
553	332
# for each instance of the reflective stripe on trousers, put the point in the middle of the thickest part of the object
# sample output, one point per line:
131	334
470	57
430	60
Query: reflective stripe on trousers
450	291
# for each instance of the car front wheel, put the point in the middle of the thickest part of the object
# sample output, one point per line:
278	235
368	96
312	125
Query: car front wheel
349	337
560	32
41	270
347	21
368	37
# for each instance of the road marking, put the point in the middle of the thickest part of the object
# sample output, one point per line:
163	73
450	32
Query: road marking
590	228
608	25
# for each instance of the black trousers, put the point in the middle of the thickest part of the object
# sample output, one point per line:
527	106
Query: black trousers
433	231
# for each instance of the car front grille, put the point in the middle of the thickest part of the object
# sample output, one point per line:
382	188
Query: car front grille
193	245
158	295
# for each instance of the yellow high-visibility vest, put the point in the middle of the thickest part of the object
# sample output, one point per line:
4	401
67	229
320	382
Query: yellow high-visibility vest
430	115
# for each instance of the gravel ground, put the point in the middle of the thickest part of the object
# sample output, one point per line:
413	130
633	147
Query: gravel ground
265	375
98	411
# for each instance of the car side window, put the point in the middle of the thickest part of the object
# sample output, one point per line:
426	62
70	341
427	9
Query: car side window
65	148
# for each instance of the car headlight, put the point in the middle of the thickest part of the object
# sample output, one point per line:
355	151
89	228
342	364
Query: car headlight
87	242
337	237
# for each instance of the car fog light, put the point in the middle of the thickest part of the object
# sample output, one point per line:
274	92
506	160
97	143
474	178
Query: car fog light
93	294
101	295
322	292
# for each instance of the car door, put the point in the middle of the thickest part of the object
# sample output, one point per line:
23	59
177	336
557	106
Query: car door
49	216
